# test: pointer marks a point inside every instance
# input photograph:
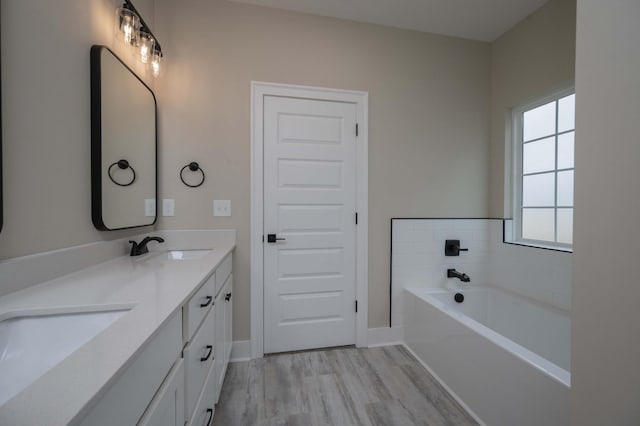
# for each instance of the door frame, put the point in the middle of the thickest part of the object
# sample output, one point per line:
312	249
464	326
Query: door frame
361	99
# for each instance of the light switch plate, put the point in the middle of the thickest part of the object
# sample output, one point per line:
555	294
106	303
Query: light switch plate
150	207
222	207
168	207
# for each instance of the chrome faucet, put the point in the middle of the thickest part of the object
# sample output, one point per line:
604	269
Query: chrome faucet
141	248
452	273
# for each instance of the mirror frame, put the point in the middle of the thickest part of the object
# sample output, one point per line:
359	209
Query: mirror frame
1	181
96	138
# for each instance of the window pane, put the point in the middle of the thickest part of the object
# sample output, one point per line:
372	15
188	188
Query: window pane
537	224
566	150
539	122
539	156
567	113
537	190
565	188
565	226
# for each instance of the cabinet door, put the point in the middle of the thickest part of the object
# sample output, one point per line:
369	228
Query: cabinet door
228	329
167	408
220	349
128	398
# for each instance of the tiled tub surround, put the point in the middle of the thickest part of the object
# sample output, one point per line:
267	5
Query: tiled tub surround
154	290
501	382
505	351
540	274
418	260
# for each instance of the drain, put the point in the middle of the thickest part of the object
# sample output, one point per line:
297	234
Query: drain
459	297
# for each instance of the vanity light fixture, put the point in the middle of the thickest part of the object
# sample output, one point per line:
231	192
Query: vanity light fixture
132	30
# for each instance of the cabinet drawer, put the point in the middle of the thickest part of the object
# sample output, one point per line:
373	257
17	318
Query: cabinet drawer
205	408
198	306
199	356
126	401
223	270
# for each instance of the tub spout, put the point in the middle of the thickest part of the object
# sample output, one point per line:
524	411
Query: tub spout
452	273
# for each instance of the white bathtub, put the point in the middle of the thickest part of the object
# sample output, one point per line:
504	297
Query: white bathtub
504	357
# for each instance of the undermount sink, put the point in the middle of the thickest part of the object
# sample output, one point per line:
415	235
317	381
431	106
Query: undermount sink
30	345
187	254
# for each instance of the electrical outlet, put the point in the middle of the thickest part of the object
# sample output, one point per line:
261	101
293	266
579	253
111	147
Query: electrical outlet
222	207
150	207
168	207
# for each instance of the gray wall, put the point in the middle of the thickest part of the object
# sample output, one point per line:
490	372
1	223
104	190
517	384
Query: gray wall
46	120
606	288
531	60
429	120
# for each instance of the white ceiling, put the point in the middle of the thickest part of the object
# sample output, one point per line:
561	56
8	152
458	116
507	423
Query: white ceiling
483	20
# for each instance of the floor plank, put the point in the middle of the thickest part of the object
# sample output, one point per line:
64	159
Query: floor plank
345	386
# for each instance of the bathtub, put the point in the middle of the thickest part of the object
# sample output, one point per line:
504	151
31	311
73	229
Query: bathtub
505	358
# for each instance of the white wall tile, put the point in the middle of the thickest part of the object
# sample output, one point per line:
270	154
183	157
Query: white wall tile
419	261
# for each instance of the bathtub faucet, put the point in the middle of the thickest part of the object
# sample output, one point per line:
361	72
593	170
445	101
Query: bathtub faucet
452	273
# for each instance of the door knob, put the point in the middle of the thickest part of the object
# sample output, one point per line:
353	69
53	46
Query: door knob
271	238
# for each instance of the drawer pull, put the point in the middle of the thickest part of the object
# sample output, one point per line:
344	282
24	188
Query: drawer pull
207	303
210	413
209	351
227	297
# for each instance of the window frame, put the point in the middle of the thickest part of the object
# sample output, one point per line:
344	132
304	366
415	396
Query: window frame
517	144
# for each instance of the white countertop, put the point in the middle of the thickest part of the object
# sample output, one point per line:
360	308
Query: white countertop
155	289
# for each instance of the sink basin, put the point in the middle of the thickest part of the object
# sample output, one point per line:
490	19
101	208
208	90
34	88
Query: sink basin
32	345
187	254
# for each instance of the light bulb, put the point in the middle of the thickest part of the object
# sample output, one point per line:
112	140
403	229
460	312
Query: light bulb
146	46
155	68
127	29
156	59
127	26
144	53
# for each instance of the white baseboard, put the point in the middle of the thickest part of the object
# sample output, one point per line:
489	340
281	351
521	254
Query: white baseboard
385	336
241	351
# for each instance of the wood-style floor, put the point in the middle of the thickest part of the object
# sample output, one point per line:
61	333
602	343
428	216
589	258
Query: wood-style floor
346	386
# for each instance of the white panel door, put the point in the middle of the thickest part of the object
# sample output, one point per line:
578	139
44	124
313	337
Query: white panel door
309	204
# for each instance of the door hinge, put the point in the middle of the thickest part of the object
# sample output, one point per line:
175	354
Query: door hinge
356	306
356	129
356	218
263	238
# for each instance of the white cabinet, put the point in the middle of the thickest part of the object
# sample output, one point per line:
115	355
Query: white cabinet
223	332
176	377
205	407
228	318
204	381
199	356
167	408
198	307
127	399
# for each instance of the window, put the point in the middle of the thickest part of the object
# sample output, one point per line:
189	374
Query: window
544	161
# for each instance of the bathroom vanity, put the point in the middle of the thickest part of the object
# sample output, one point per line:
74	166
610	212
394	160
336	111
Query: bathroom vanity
161	353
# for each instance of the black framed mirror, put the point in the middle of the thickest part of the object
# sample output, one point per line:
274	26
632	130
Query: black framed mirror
1	195
123	145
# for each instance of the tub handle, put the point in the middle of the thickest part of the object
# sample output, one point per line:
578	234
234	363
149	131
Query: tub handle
452	248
